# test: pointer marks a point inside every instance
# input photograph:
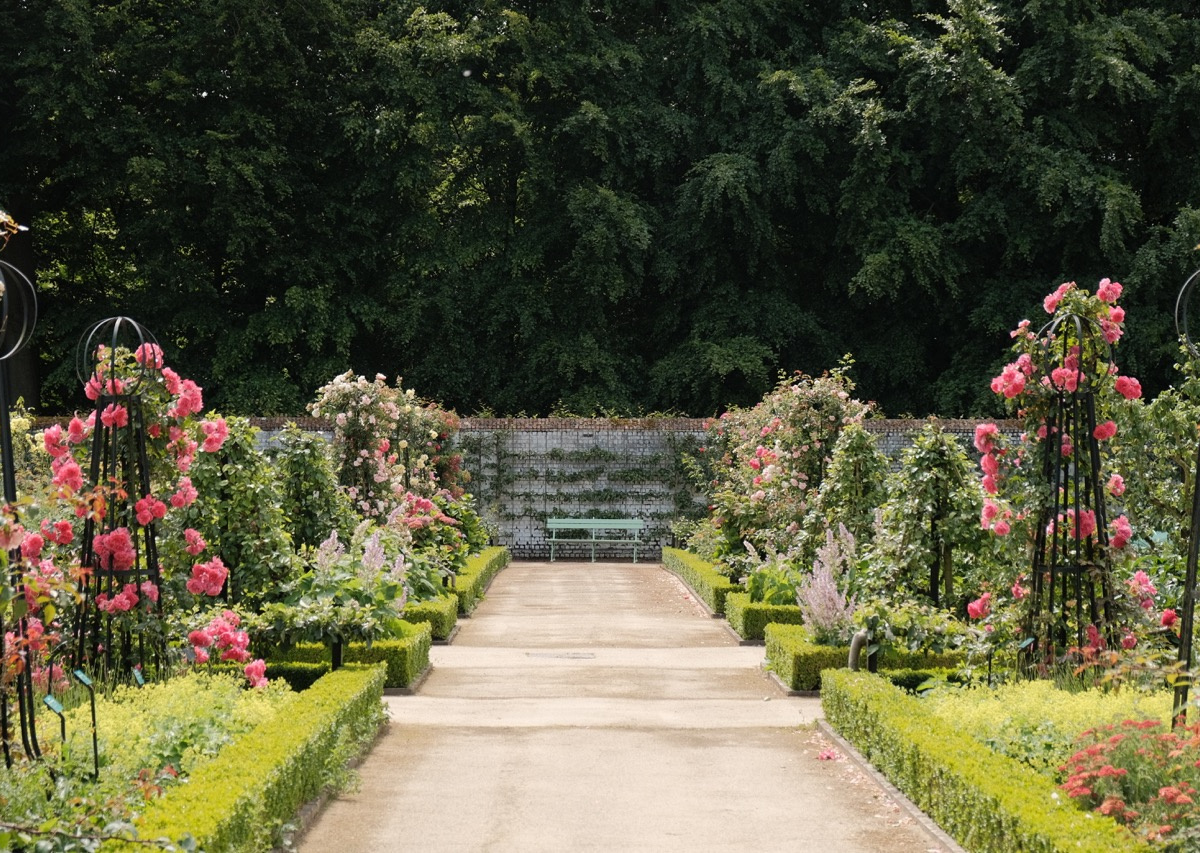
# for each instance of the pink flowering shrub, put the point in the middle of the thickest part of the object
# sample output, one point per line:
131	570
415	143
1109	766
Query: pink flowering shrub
763	466
386	441
1069	355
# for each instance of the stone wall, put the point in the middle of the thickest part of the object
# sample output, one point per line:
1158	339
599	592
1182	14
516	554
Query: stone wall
527	470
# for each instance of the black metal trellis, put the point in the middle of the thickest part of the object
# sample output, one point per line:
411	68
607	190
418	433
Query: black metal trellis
1072	573
119	465
18	317
1188	605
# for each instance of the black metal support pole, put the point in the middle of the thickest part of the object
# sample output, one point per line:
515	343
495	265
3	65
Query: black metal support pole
1189	605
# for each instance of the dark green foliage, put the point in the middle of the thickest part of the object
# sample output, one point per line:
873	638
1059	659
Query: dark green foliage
311	500
240	515
644	206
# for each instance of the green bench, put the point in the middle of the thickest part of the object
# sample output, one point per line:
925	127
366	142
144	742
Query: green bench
595	531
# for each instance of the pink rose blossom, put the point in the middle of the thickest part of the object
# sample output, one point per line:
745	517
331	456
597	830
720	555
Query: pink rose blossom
1128	387
1108	291
985	437
186	493
256	673
1168	618
1050	303
1116	485
195	542
1128	641
1105	431
114	416
980	607
1001	528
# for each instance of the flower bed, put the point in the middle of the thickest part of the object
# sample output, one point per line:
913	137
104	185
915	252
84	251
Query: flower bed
988	802
241	799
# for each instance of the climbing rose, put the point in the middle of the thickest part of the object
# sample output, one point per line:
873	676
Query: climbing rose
1105	431
985	437
1050	303
1168	618
980	607
1128	387
1108	291
1116	485
1010	382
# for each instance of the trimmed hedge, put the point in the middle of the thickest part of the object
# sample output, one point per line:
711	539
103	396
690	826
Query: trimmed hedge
240	800
798	661
441	613
472	580
988	802
406	656
709	585
750	619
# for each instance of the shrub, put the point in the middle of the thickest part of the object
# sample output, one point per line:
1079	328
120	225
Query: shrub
240	800
441	613
987	802
709	585
406	657
473	579
793	655
749	619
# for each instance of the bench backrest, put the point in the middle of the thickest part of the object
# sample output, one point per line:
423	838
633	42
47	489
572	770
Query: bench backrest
595	524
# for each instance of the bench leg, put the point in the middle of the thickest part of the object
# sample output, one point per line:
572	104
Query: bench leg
551	550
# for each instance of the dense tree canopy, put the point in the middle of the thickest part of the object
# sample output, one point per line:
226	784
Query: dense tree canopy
609	207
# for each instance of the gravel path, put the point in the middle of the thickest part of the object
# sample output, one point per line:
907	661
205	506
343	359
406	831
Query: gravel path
596	706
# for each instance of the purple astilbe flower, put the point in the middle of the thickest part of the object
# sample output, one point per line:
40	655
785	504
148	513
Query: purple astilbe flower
825	608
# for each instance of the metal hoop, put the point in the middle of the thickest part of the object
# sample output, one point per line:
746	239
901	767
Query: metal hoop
113	331
18	290
1181	306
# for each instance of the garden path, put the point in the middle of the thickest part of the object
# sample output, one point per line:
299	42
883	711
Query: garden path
597	706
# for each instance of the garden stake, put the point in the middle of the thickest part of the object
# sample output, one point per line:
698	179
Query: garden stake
82	678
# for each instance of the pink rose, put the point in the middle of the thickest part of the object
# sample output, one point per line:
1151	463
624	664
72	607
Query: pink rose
1105	431
1128	387
1108	291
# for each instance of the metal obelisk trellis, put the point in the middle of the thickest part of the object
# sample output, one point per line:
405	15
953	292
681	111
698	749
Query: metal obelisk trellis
1188	604
1072	574
103	641
18	316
